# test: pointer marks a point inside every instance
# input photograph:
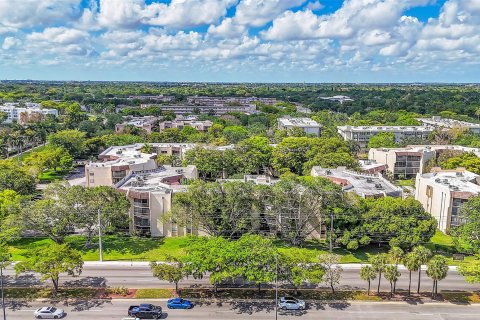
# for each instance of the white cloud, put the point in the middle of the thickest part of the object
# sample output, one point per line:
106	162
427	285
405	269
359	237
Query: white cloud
259	12
227	29
10	42
35	13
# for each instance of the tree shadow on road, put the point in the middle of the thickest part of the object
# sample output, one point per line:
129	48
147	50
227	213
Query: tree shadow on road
83	305
88	282
251	307
27	279
15	305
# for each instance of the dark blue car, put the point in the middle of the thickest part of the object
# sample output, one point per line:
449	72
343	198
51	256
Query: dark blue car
179	303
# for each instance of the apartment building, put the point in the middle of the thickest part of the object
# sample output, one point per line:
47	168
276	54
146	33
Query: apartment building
145	123
308	125
201	126
30	112
362	134
340	99
372	167
363	184
443	192
157	98
206	100
205	109
439	122
150	193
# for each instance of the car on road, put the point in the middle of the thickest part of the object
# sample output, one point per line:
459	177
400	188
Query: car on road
145	311
179	303
291	303
49	313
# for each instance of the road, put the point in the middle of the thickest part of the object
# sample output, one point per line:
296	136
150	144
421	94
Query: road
138	275
100	310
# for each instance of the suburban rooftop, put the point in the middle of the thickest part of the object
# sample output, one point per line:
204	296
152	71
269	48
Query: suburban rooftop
456	180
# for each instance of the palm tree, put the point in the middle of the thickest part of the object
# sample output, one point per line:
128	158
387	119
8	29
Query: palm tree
423	256
477	113
392	274
396	256
378	264
412	263
368	274
437	269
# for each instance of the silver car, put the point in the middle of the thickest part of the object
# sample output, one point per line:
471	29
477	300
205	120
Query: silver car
291	303
49	313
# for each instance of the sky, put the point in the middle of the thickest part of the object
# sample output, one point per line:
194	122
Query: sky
241	40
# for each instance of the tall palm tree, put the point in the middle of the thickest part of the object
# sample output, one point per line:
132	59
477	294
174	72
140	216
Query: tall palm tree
412	263
396	256
392	274
437	269
368	274
378	264
423	256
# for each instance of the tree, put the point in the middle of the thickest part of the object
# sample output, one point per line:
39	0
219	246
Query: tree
331	266
379	263
467	235
468	161
15	177
368	274
412	263
51	261
437	269
172	271
396	256
235	134
209	162
471	271
423	255
72	140
382	140
10	204
50	158
392	274
255	154
296	267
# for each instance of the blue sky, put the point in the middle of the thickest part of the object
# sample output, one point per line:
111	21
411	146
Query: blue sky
241	40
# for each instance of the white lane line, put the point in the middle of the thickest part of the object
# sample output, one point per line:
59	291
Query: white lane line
95	310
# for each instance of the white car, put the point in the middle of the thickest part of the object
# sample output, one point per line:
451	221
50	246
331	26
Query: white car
291	303
49	313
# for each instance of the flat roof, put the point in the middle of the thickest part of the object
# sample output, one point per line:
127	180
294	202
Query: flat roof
448	123
455	180
299	122
126	156
386	128
360	183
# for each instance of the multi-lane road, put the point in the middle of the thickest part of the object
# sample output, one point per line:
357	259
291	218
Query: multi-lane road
99	310
138	275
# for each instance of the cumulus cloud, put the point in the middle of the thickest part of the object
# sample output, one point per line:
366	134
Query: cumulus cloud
10	42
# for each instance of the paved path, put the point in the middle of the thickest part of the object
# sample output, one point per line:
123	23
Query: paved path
100	310
138	275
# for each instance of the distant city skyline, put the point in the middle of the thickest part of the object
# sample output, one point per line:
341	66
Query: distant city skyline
365	41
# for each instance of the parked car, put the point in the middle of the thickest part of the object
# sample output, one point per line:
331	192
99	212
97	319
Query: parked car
145	311
179	303
291	303
49	313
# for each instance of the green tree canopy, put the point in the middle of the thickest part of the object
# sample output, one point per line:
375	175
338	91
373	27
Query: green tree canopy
72	140
382	140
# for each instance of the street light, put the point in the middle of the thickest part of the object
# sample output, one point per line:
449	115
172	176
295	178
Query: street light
100	245
276	286
2	266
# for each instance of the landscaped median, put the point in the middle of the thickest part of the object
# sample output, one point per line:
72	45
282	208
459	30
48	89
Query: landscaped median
232	294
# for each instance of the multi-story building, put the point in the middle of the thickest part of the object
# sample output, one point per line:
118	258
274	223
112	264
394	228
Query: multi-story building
372	167
15	113
180	124
205	109
308	125
145	123
439	122
363	184
206	100
340	99
362	134
150	193
158	98
443	192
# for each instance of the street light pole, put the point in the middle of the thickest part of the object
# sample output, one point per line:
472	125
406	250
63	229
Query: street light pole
331	232
100	245
1	284
276	287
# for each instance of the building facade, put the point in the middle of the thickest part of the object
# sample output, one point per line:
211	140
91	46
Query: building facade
443	192
198	125
17	114
439	122
145	123
308	125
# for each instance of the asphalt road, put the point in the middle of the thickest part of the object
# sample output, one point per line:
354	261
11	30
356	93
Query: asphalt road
138	275
117	309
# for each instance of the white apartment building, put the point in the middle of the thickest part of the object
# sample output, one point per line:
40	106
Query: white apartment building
145	123
339	98
439	122
150	193
363	184
15	113
308	125
202	126
205	109
362	134
158	98
206	100
443	192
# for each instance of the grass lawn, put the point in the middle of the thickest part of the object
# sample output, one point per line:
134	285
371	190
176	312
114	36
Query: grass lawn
406	183
26	154
149	249
51	175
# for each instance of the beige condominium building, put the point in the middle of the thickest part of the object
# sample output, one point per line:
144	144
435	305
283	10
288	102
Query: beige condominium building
439	122
145	123
362	134
201	126
443	192
150	193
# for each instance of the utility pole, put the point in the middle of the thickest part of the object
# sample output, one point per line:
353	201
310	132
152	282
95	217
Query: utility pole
100	245
276	287
331	232
1	284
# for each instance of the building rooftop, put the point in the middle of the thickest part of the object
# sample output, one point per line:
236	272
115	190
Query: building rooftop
122	156
257	179
456	180
140	121
367	165
366	185
386	128
164	177
448	123
299	122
